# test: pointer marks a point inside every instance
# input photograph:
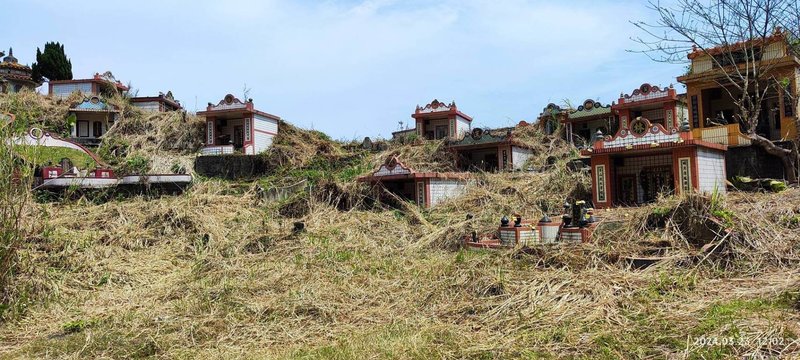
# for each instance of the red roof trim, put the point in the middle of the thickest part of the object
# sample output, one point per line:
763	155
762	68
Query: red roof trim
648	147
778	36
174	104
118	85
243	111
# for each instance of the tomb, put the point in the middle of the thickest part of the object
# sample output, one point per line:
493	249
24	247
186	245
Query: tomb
644	160
490	150
438	120
104	85
711	96
93	116
426	189
552	118
161	103
236	127
662	106
65	173
14	77
582	123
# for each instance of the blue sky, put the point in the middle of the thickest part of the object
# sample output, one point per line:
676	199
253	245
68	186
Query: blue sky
352	68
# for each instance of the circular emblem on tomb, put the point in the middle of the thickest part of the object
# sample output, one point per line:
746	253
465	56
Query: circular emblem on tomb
588	104
94	100
36	133
477	133
638	127
645	88
229	99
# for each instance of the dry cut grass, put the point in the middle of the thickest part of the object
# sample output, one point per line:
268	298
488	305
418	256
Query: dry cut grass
217	273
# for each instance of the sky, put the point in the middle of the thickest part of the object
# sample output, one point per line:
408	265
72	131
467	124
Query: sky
352	68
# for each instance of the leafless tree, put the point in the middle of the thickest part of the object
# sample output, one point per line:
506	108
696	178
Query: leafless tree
733	34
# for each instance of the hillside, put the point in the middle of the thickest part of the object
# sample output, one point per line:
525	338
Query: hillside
218	272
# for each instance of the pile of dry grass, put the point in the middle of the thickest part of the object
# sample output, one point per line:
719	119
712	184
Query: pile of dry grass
154	132
429	155
36	110
298	148
547	149
216	272
167	140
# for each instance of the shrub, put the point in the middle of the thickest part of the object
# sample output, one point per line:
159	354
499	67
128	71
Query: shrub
15	184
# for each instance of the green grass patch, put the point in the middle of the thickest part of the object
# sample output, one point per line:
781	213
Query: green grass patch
667	285
102	343
51	155
723	315
395	341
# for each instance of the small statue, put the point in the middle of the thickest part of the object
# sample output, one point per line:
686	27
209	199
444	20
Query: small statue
579	214
504	221
566	218
517	221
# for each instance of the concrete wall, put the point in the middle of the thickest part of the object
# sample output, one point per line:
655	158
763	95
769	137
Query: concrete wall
520	156
443	189
148	105
462	126
754	162
710	171
230	166
265	130
65	90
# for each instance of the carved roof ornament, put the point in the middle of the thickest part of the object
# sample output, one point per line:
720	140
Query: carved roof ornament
685	125
94	103
647	89
228	102
552	107
551	110
10	58
599	136
482	136
590	104
648	92
477	133
437	106
108	76
392	166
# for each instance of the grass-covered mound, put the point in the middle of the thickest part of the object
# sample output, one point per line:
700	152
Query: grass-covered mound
159	142
44	155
